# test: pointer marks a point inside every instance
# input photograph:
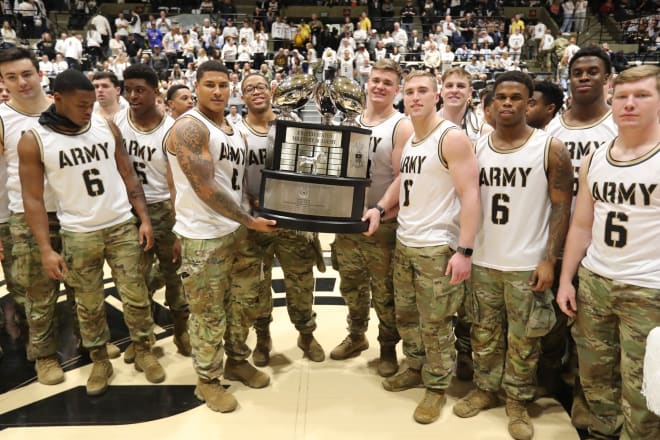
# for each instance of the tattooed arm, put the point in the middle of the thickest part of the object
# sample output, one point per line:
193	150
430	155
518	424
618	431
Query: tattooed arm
190	139
133	188
560	191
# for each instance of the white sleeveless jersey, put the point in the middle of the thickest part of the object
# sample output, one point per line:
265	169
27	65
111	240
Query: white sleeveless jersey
471	124
515	204
82	171
381	143
580	140
146	152
429	207
256	156
194	218
624	236
14	124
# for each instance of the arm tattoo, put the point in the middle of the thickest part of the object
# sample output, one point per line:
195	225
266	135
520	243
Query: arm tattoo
191	139
561	195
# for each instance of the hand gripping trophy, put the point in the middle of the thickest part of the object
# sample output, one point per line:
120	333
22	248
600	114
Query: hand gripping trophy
316	175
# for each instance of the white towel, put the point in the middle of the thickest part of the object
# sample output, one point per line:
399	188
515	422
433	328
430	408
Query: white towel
651	386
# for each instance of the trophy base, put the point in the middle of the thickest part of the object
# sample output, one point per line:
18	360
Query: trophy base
314	225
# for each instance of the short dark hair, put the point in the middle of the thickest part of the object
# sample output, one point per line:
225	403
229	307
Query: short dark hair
18	53
72	80
106	75
211	66
592	51
552	94
171	91
515	76
488	98
142	71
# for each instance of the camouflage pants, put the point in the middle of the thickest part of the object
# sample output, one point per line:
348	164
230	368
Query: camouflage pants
16	291
162	221
41	292
251	292
425	304
365	268
612	324
205	273
84	254
508	321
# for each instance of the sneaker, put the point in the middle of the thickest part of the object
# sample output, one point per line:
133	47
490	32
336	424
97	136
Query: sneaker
351	346
215	396
476	401
310	347
520	425
428	410
49	371
244	372
407	379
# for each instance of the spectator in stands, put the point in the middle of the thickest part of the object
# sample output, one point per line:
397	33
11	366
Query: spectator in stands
121	25
154	35
227	11
545	50
247	32
380	52
363	72
580	15
120	64
395	55
244	52
47	67
135	25
555	11
414	46
330	63
448	28
172	44
517	24
569	10
160	62
432	58
8	34
230	30
407	16
60	63
73	50
516	42
133	49
347	66
27	11
386	14
400	37
93	41
235	92
46	46
229	53
163	23
117	45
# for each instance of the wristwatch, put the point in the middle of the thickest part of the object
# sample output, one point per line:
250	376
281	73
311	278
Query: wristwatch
381	210
465	251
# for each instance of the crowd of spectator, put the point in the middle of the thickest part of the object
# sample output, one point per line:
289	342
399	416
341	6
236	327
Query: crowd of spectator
276	45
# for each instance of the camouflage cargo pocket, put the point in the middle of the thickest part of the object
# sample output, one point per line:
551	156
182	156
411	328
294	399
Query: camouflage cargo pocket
542	317
23	263
470	304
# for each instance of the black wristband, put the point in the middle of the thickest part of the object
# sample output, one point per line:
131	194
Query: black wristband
381	210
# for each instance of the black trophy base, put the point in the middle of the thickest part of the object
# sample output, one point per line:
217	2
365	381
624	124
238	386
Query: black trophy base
315	225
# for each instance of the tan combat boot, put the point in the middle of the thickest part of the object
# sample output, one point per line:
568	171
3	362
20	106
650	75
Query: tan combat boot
98	381
129	353
113	351
147	362
181	337
387	364
474	402
409	378
520	425
261	353
243	371
215	396
428	409
49	371
310	347
351	346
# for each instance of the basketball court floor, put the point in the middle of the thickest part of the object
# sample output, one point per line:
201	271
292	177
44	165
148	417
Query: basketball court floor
305	400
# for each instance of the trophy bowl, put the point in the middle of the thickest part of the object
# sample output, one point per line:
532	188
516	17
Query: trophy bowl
293	93
348	96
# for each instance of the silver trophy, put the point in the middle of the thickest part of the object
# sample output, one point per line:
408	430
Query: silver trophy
316	175
293	93
348	97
